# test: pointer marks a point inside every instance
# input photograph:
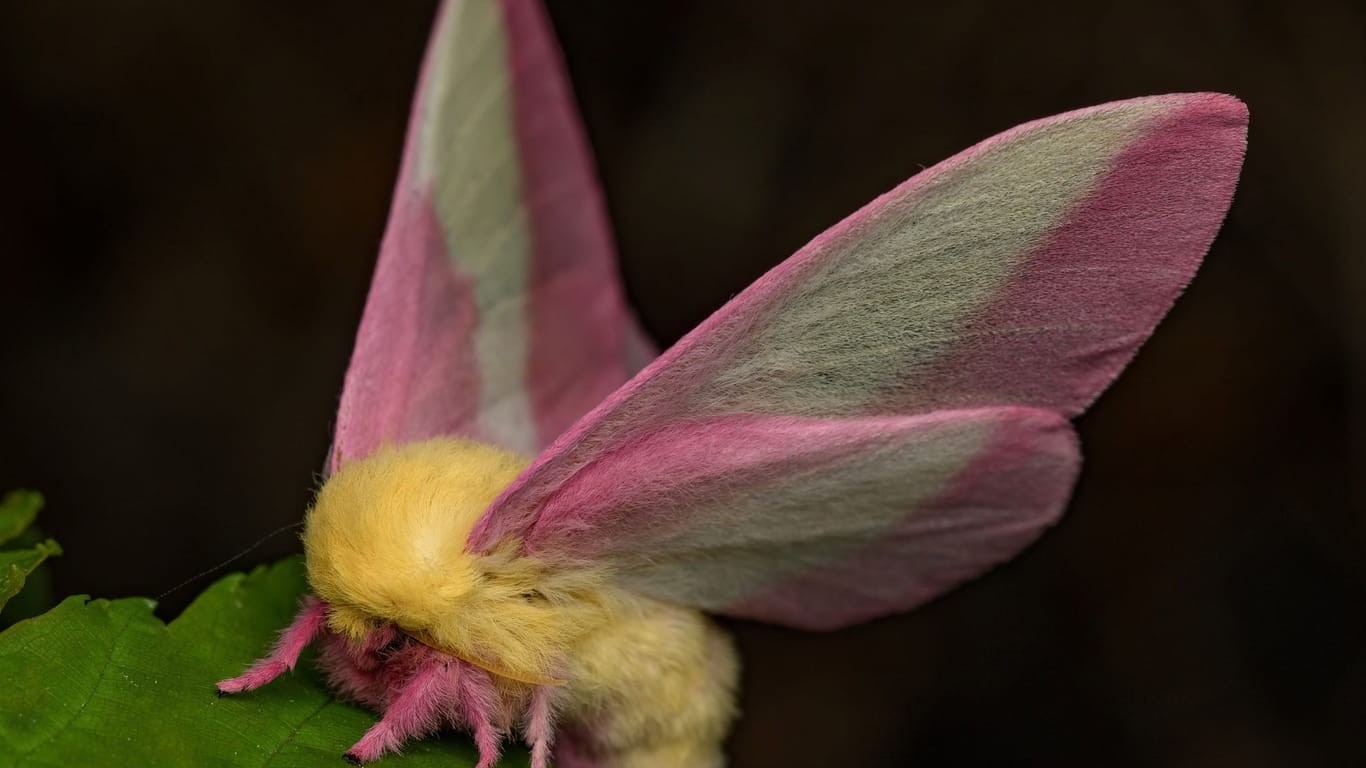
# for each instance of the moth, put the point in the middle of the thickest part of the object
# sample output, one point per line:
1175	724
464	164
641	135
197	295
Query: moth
877	419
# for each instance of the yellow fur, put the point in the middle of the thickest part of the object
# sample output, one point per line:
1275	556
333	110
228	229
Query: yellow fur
654	683
655	686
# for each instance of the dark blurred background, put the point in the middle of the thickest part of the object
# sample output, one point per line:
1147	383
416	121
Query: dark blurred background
193	197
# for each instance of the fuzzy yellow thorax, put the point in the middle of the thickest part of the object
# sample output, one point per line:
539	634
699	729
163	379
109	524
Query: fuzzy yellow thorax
385	542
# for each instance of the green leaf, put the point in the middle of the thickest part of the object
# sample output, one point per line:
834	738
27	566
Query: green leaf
17	564
98	682
35	597
17	511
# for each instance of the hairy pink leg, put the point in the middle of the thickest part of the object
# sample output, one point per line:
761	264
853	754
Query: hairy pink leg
415	710
305	627
478	700
539	727
355	670
366	654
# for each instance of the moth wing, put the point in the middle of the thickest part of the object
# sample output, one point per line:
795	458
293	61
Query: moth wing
1025	272
816	523
495	311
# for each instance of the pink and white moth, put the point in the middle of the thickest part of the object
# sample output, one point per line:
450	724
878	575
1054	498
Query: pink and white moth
877	419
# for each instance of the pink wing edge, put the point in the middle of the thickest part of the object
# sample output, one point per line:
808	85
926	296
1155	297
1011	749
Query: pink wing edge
1199	144
575	263
413	374
989	506
994	507
1210	124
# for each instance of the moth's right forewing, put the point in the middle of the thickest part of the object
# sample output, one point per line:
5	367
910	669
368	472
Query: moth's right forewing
1024	272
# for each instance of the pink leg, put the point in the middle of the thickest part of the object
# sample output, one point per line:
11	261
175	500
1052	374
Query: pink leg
539	726
354	670
478	699
366	655
415	710
305	627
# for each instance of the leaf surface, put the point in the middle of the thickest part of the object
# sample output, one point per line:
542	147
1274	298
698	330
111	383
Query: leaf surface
17	511
16	565
22	550
100	682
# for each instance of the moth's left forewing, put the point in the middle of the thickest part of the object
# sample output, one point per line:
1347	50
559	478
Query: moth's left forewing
496	311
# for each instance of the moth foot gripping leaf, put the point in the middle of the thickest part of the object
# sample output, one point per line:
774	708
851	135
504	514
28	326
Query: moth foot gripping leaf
417	688
282	658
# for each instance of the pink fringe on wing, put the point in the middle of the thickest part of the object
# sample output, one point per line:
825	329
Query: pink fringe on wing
577	315
1004	497
413	374
1115	262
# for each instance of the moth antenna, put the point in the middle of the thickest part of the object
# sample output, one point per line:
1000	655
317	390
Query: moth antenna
232	559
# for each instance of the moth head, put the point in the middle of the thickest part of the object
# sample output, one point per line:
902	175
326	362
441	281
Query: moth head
385	541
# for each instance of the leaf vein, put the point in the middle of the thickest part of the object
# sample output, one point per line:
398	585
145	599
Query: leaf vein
294	732
99	681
